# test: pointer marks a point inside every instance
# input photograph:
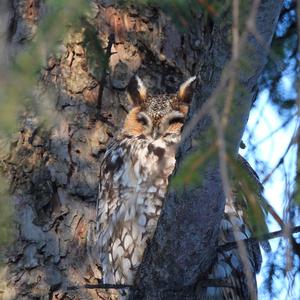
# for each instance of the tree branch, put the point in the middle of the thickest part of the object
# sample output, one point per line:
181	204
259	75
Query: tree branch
184	243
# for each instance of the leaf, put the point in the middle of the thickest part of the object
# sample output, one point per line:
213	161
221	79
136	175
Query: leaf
189	171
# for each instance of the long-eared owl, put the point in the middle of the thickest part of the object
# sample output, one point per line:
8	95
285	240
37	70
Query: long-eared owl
134	179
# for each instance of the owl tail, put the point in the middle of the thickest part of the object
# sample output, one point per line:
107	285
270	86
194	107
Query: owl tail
233	283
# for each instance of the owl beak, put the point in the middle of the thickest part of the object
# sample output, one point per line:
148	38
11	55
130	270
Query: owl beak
155	133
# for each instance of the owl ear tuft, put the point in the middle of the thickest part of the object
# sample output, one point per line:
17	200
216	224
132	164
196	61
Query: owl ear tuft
137	91
186	90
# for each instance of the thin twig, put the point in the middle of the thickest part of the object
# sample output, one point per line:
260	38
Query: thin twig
263	237
206	282
215	283
221	127
284	124
281	160
105	286
201	282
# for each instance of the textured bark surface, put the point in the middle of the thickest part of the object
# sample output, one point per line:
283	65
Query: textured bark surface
184	245
54	172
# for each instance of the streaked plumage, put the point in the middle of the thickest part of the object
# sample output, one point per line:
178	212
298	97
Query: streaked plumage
134	179
229	269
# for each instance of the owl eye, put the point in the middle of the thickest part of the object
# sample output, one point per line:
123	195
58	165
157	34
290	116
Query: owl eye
144	119
177	119
174	117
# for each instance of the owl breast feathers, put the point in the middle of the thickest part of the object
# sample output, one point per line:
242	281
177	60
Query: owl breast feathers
133	182
134	178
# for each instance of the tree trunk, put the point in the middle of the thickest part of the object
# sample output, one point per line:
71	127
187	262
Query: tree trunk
54	170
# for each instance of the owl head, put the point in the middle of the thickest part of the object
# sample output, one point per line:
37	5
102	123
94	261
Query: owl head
157	116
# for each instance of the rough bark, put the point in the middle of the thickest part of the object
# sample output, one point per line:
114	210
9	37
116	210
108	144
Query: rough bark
54	172
184	244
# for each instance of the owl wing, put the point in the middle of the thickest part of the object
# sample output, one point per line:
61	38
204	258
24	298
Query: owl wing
250	200
115	191
229	267
123	217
